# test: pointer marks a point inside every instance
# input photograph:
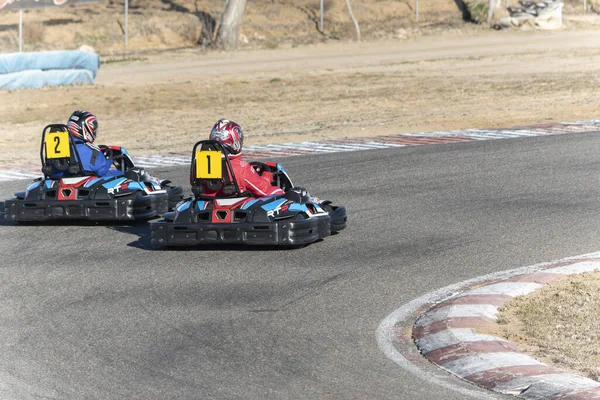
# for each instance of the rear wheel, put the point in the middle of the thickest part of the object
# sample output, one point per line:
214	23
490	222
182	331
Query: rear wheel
327	208
299	217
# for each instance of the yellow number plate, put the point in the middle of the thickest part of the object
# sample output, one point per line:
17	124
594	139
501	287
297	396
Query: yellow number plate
57	145
209	165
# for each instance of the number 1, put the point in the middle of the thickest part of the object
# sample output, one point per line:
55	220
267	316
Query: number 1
208	157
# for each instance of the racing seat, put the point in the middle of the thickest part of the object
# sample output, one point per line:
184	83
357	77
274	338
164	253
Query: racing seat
211	174
58	153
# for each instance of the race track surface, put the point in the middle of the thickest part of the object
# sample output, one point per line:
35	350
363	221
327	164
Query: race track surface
89	311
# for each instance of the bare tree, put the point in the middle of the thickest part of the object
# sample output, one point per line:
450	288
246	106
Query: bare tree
353	20
207	21
491	5
227	35
464	9
209	24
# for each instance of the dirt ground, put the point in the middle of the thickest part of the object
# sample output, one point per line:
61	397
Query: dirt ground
558	324
163	102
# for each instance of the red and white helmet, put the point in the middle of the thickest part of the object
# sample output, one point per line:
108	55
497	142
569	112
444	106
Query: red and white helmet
229	134
84	125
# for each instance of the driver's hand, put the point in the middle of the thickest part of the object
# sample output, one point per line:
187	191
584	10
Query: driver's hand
300	190
103	148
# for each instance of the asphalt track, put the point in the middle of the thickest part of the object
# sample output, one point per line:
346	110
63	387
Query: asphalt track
89	311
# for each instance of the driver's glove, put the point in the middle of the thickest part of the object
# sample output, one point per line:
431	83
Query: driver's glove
145	176
300	190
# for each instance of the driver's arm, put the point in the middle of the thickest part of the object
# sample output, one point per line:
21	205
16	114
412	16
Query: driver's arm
99	164
259	185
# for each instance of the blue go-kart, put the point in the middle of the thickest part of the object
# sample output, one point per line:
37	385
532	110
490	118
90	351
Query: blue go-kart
67	192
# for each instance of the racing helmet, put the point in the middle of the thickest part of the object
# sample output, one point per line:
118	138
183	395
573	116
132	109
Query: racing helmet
83	125
229	134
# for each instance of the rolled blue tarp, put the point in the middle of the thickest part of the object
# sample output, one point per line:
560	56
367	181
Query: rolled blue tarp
39	78
48	60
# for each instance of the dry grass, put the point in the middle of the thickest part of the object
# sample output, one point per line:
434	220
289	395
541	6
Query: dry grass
559	324
33	33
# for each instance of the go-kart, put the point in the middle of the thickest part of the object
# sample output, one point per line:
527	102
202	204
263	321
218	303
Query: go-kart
219	213
66	191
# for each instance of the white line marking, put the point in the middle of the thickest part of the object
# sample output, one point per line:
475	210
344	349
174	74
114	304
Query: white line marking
577	268
546	386
367	145
480	137
527	133
148	160
482	362
437	134
21	174
286	148
323	147
500	134
451	337
336	146
389	144
591	122
485	135
301	148
14	175
148	165
457	311
513	289
181	160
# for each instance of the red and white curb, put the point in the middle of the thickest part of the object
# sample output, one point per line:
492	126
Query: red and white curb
349	144
443	328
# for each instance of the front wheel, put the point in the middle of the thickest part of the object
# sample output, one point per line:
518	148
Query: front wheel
175	195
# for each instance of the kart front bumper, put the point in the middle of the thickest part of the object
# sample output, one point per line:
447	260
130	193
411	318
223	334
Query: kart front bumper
285	233
117	209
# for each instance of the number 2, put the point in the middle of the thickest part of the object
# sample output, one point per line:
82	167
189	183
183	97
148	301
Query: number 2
57	144
57	140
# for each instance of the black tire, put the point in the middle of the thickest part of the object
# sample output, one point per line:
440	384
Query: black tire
175	195
299	217
327	208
